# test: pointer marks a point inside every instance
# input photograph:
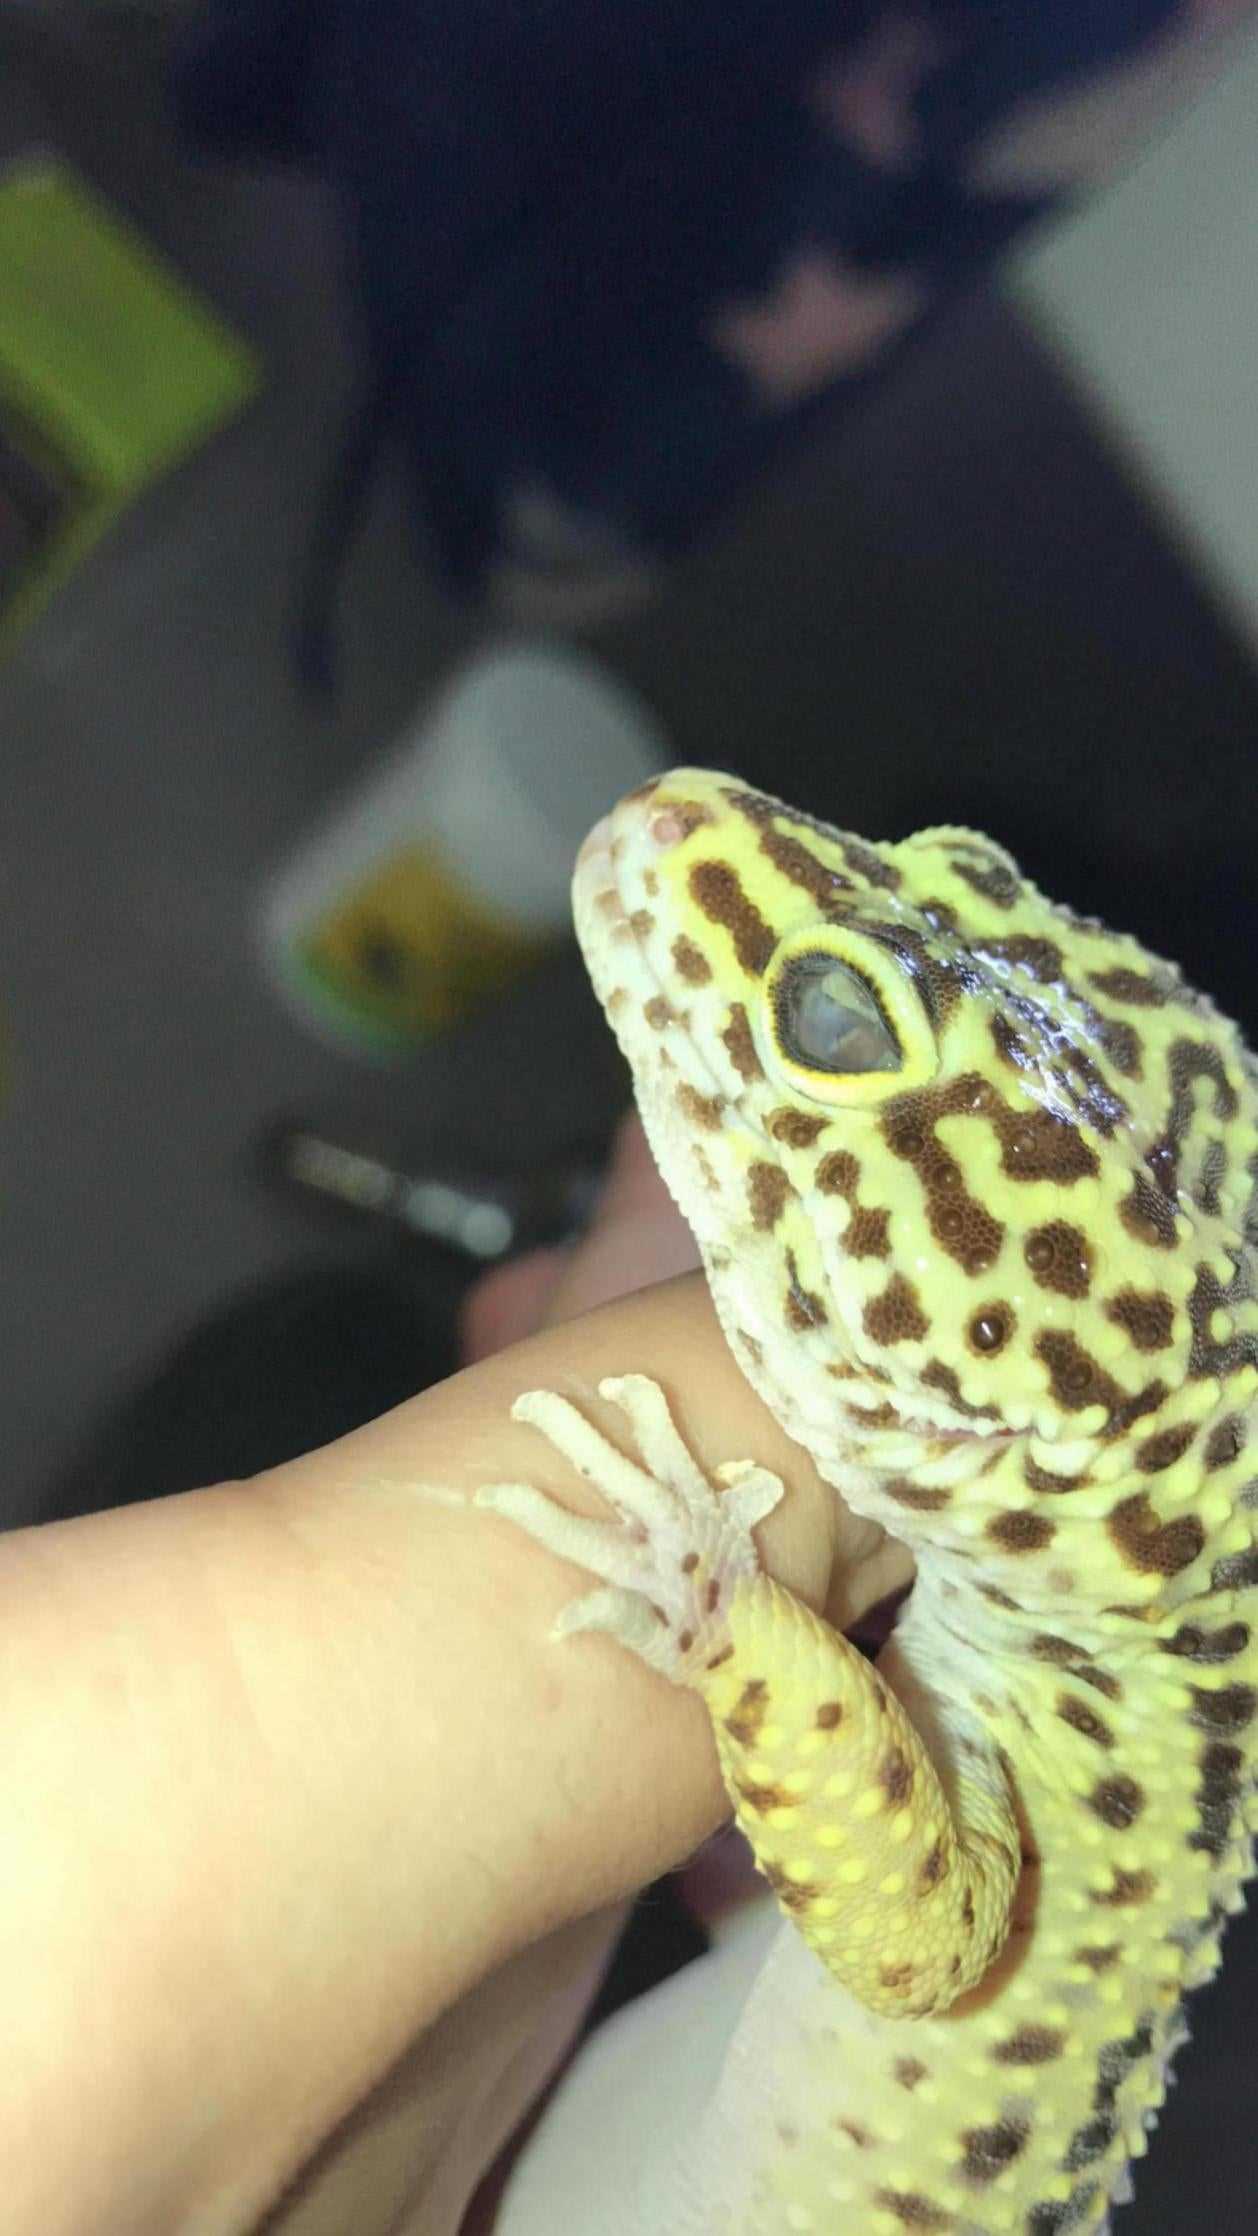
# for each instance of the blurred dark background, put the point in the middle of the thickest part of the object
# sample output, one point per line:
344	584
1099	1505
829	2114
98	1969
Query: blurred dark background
965	602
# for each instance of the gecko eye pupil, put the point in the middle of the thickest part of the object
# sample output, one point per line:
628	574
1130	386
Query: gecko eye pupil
829	1019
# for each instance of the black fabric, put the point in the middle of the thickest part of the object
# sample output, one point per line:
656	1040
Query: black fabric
548	202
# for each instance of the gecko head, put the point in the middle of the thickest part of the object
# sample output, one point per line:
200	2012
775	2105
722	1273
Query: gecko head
953	1155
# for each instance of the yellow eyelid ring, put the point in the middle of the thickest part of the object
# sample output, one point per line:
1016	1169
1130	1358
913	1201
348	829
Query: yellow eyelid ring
841	1021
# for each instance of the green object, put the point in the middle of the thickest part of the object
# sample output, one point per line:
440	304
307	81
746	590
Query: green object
111	370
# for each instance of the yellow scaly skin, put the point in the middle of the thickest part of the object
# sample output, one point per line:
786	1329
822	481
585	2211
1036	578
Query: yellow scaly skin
978	1236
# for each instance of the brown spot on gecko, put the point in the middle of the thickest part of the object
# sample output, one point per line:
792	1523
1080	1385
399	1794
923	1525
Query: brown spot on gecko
857	2134
1089	2142
1114	2062
1147	1215
797	1128
790	1893
1127	1890
933	1868
864	862
1124	985
909	2071
1078	1381
1147	1316
1030	2045
1194	1643
1035	1145
896	1977
795	861
1098	1956
837	1174
1046	1646
1239	1348
940	915
1218	1797
913	2210
1150	1545
760	1797
688	815
1225	1442
748	1714
1084	1720
739	1045
865	1235
896	1316
1040	958
920	1498
767	1191
1008	1044
829	1716
882	1416
717	893
962	1226
701	1110
938	1375
1236	1572
895	1776
1059	1259
1020	1532
1223	1708
1161	1451
988	2150
1056	2219
1042	1479
1076	1662
990	1329
690	962
1117	1801
1122	1044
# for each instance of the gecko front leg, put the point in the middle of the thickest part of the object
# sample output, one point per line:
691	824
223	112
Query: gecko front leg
677	1552
903	1890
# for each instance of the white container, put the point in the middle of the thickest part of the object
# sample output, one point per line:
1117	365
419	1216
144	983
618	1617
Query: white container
447	873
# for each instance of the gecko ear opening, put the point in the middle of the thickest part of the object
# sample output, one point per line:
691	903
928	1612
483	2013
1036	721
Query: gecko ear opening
840	1022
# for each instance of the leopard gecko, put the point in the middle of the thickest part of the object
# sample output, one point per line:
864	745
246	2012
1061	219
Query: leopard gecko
973	1180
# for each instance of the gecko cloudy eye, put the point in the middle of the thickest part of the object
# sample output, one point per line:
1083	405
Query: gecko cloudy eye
841	1020
829	1020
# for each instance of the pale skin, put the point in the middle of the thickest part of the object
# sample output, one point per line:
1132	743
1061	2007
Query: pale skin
312	1841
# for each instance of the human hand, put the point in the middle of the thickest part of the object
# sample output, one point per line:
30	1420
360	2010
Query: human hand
370	1848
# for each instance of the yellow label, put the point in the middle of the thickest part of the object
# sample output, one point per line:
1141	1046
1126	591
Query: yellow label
411	950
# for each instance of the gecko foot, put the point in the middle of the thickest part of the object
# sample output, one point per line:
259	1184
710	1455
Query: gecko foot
671	1559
